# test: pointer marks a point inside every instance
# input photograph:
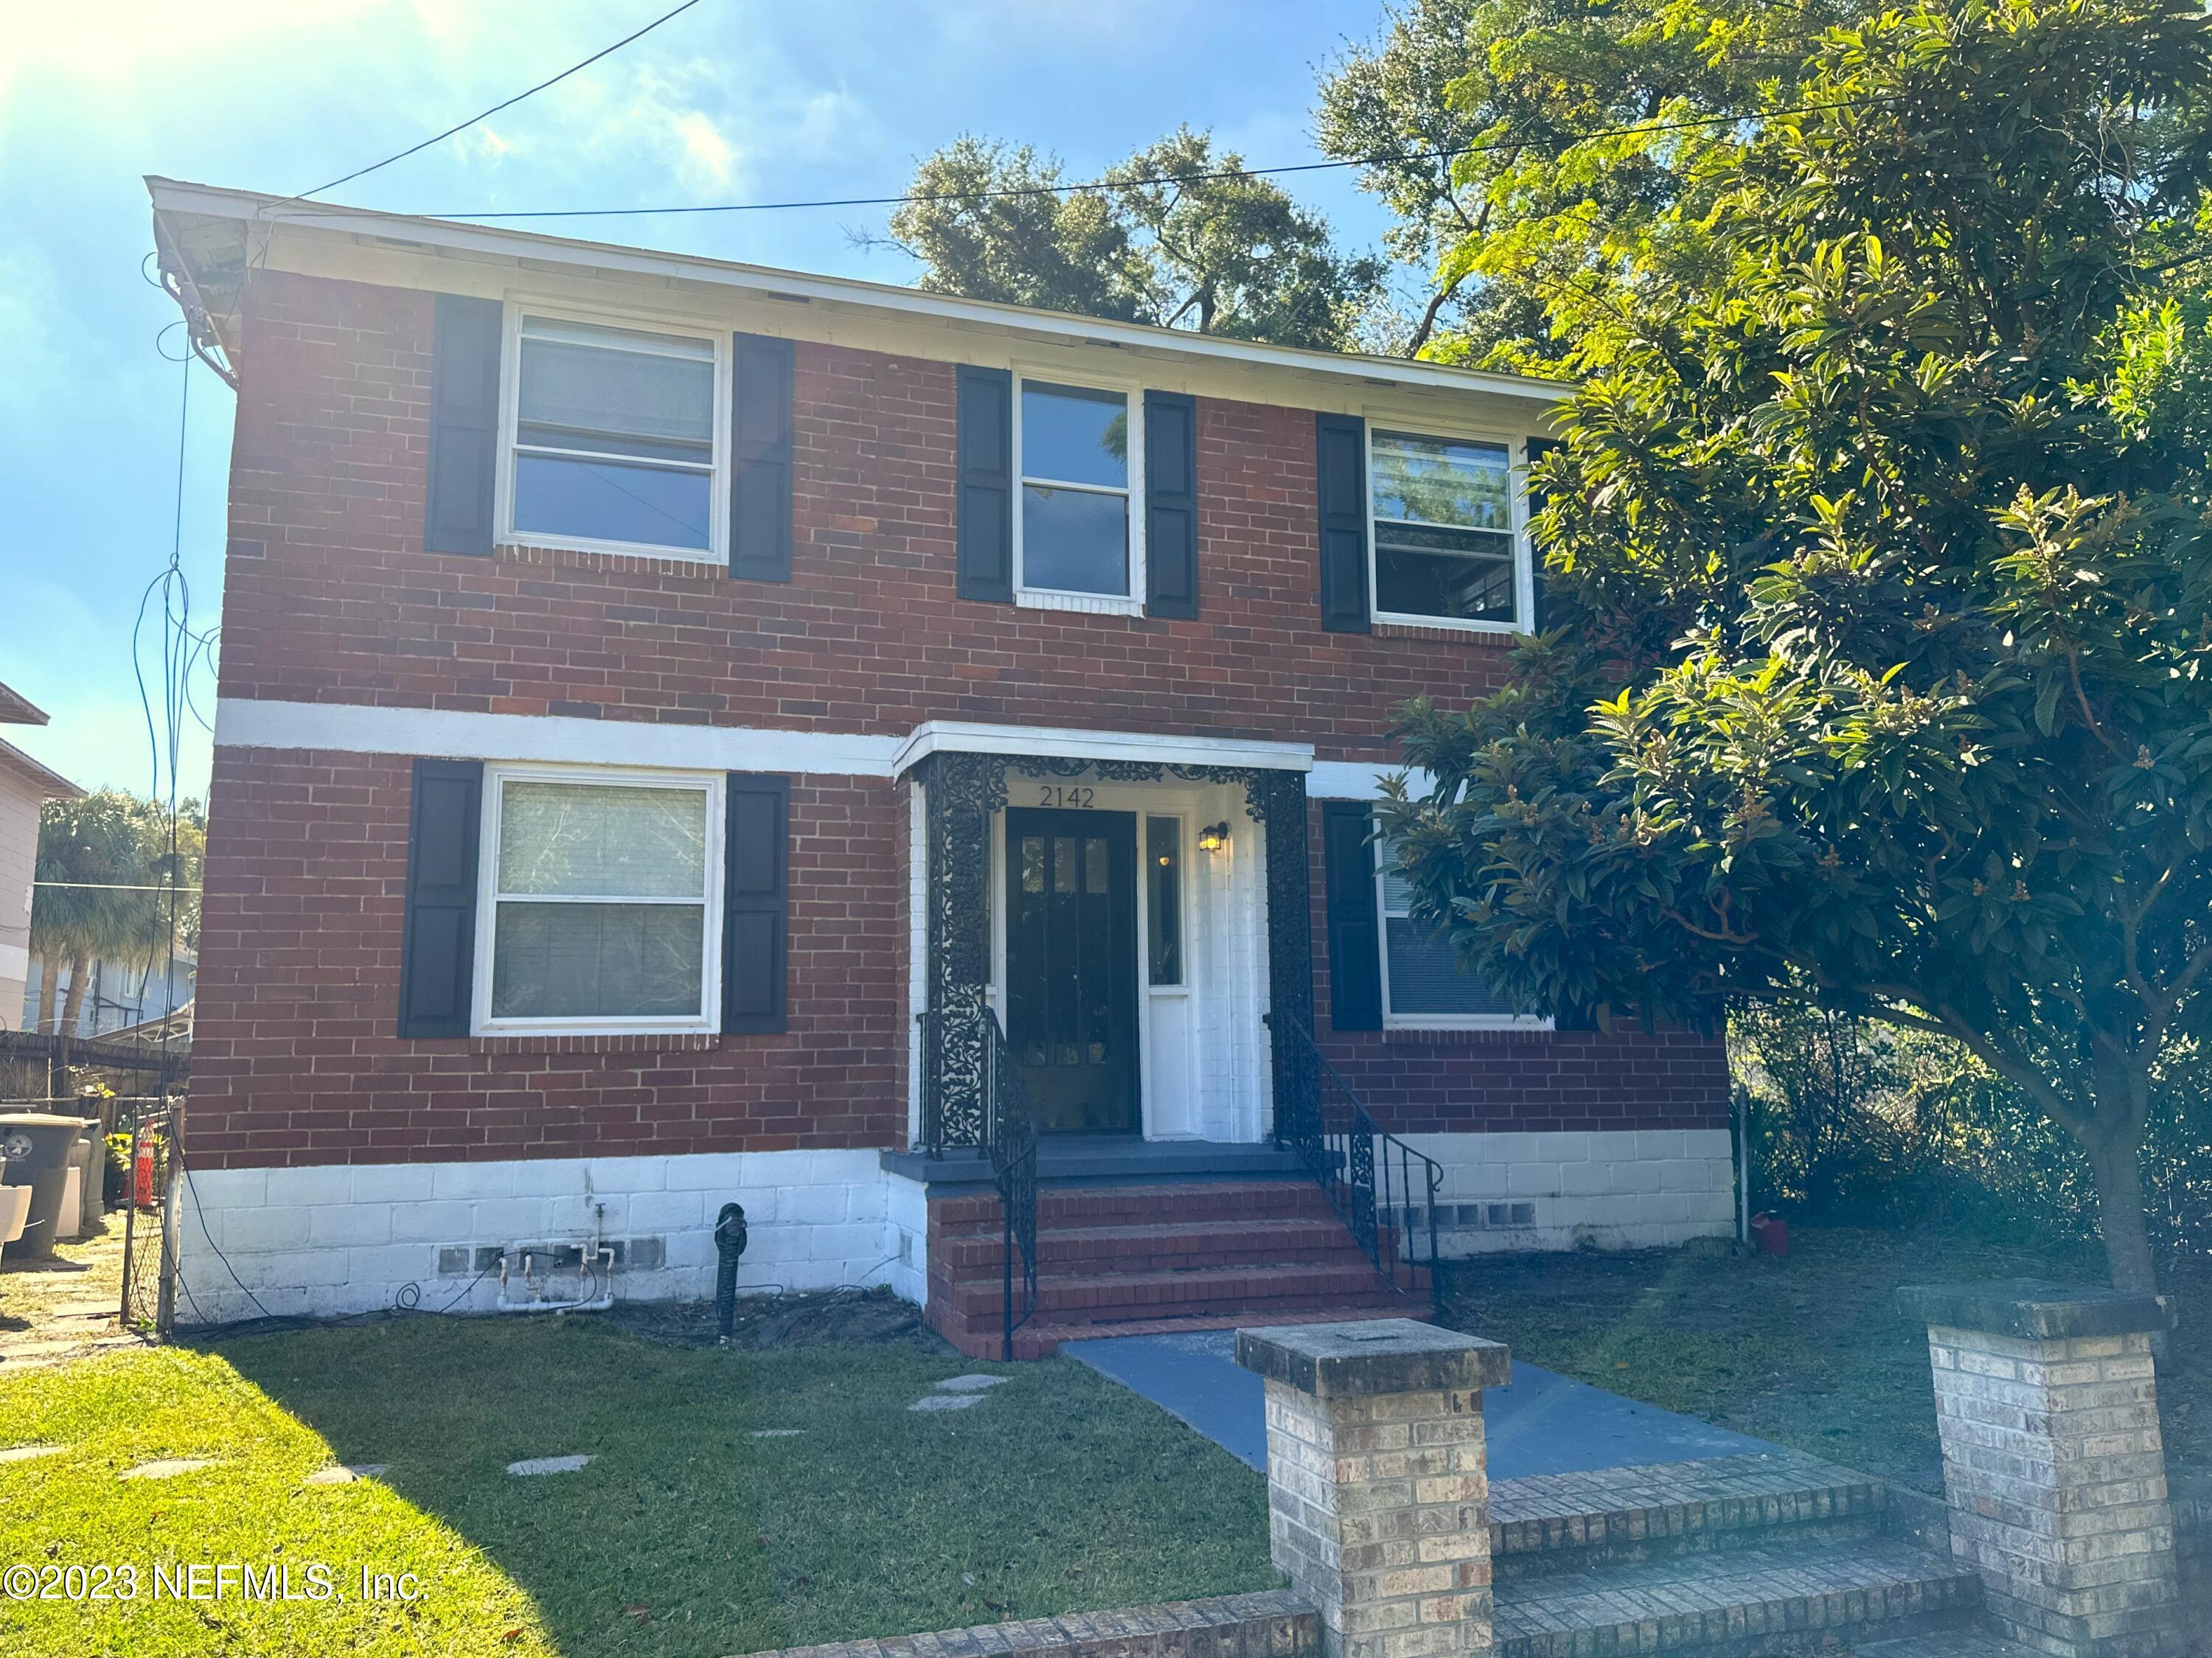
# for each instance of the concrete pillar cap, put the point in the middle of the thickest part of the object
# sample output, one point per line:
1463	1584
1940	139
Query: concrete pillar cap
1372	1356
2032	1309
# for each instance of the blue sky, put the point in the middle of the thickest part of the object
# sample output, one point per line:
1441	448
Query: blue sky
735	101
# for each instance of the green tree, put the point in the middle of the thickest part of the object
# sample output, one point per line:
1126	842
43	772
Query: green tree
1229	255
1879	675
105	874
1463	114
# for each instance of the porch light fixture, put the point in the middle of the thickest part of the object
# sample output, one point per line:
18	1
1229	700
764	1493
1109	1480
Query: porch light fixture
1213	837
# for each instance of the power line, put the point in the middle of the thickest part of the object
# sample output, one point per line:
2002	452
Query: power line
1107	184
487	115
117	886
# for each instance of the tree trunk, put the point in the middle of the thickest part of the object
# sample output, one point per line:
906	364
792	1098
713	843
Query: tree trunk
2116	1161
50	971
80	973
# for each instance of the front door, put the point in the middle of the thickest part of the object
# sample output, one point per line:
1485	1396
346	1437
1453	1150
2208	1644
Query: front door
1072	965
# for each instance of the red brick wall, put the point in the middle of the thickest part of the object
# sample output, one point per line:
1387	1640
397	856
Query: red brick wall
328	596
294	1056
340	604
1528	1081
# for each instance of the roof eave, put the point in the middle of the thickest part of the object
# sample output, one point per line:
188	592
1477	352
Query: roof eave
177	196
50	783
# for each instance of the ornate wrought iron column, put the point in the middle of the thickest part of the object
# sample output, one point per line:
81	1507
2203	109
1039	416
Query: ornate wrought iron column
1277	799
959	793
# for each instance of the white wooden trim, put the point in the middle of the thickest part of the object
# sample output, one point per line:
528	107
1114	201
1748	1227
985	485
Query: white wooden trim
1130	601
520	304
709	1017
1517	505
358	728
1360	779
1432	1020
963	736
363	728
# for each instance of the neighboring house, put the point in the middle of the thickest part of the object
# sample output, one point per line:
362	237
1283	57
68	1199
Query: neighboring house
25	785
120	993
663	700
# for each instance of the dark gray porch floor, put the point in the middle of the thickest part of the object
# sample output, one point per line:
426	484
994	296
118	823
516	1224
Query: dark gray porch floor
1542	1423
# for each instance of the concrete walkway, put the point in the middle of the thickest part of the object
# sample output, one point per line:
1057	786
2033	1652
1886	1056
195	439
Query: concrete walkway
1542	1423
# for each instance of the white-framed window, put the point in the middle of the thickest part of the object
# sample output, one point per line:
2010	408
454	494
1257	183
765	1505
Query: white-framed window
616	436
1424	988
600	903
1446	539
1079	522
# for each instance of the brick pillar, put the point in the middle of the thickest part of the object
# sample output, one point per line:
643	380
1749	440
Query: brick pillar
2047	1401
1378	1483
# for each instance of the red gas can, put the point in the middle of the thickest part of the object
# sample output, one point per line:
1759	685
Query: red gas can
1772	1233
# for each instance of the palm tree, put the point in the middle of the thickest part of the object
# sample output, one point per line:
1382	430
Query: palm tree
103	862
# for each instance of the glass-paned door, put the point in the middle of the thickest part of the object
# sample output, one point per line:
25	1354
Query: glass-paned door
1071	991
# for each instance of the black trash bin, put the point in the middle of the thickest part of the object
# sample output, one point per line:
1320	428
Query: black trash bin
36	1147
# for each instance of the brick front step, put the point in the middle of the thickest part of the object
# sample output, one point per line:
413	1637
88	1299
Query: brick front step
1562	1523
1113	1206
1721	1605
1153	1257
1175	1245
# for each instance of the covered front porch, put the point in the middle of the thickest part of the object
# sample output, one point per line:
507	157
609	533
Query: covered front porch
1131	911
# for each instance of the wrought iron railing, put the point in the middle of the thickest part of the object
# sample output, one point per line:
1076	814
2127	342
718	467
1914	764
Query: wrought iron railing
964	1050
1384	1191
1010	1130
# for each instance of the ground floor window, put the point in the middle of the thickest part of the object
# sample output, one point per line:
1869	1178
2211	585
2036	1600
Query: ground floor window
602	902
1423	986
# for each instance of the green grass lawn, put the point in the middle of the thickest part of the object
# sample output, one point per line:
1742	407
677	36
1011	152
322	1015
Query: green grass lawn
687	1536
1810	1352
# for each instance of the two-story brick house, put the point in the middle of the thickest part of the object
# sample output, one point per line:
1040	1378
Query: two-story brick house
669	708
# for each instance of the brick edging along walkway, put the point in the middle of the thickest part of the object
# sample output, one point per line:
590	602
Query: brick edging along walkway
1269	1624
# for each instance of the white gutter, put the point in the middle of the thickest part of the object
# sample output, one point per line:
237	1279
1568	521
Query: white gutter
249	206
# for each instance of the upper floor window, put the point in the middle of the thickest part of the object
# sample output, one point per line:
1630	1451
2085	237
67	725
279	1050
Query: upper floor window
602	898
614	437
1075	532
1444	544
1423	986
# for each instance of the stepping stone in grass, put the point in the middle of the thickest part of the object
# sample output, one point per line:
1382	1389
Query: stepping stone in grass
946	1402
970	1384
25	1453
167	1467
777	1433
536	1464
345	1474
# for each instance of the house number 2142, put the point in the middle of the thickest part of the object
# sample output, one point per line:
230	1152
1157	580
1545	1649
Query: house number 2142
1059	794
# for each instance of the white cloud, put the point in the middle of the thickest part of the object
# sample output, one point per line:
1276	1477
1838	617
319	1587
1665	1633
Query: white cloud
704	146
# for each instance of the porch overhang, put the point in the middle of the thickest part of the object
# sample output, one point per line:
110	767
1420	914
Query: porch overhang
1060	743
963	768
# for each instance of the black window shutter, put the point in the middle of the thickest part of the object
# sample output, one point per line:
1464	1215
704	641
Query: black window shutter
1340	442
438	943
1171	504
1538	448
464	425
986	506
755	903
1355	961
760	455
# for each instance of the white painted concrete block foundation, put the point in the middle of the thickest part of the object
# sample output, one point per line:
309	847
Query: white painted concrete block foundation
337	1240
1610	1189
